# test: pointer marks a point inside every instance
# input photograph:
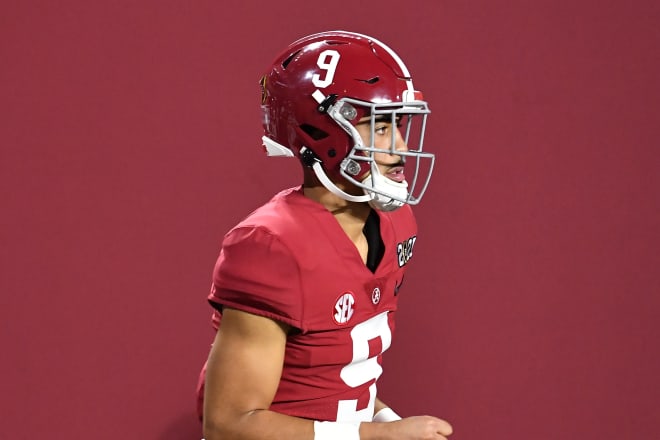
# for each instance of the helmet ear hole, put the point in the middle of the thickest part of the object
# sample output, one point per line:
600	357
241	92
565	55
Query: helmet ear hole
313	132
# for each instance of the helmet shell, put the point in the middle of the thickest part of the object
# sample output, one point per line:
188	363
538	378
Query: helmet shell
328	65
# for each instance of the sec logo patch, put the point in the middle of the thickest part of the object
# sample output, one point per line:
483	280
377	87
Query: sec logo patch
344	308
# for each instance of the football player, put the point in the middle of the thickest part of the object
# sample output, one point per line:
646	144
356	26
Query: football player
305	289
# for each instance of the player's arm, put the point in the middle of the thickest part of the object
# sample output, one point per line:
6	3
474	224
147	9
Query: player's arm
419	427
379	405
383	413
242	376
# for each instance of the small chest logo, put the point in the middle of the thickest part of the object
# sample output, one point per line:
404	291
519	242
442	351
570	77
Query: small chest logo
344	308
375	296
404	250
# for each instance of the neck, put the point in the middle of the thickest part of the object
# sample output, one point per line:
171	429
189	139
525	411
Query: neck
351	216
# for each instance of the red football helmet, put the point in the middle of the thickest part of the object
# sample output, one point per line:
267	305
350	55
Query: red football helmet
319	88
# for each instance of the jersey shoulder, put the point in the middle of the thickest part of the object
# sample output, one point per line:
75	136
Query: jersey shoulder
258	269
287	215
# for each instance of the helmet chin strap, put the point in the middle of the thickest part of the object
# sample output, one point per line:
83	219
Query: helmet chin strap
379	190
374	180
330	186
375	199
310	159
382	200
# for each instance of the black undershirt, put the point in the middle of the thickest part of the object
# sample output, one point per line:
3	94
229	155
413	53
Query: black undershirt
376	250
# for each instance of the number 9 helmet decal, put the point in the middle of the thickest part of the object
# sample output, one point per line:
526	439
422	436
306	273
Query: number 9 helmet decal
315	93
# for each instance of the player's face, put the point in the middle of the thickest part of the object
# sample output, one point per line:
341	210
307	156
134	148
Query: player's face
390	165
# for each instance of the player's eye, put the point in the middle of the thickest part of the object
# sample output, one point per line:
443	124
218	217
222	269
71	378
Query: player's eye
381	129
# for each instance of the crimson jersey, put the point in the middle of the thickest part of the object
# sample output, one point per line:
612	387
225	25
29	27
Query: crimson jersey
291	261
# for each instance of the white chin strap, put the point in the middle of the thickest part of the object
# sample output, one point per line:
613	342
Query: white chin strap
384	186
330	186
376	199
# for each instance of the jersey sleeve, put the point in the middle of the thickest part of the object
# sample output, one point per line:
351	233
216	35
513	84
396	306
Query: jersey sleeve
256	273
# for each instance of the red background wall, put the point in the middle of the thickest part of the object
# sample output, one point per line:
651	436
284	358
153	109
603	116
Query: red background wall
130	144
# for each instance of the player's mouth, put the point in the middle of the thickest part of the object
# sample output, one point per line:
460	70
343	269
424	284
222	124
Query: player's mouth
396	174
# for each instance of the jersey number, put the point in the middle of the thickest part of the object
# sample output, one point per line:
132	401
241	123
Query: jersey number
328	60
364	369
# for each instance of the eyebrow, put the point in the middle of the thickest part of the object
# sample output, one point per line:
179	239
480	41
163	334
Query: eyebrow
379	118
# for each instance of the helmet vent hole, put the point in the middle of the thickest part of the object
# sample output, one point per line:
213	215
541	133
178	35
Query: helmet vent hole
286	62
373	80
313	132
